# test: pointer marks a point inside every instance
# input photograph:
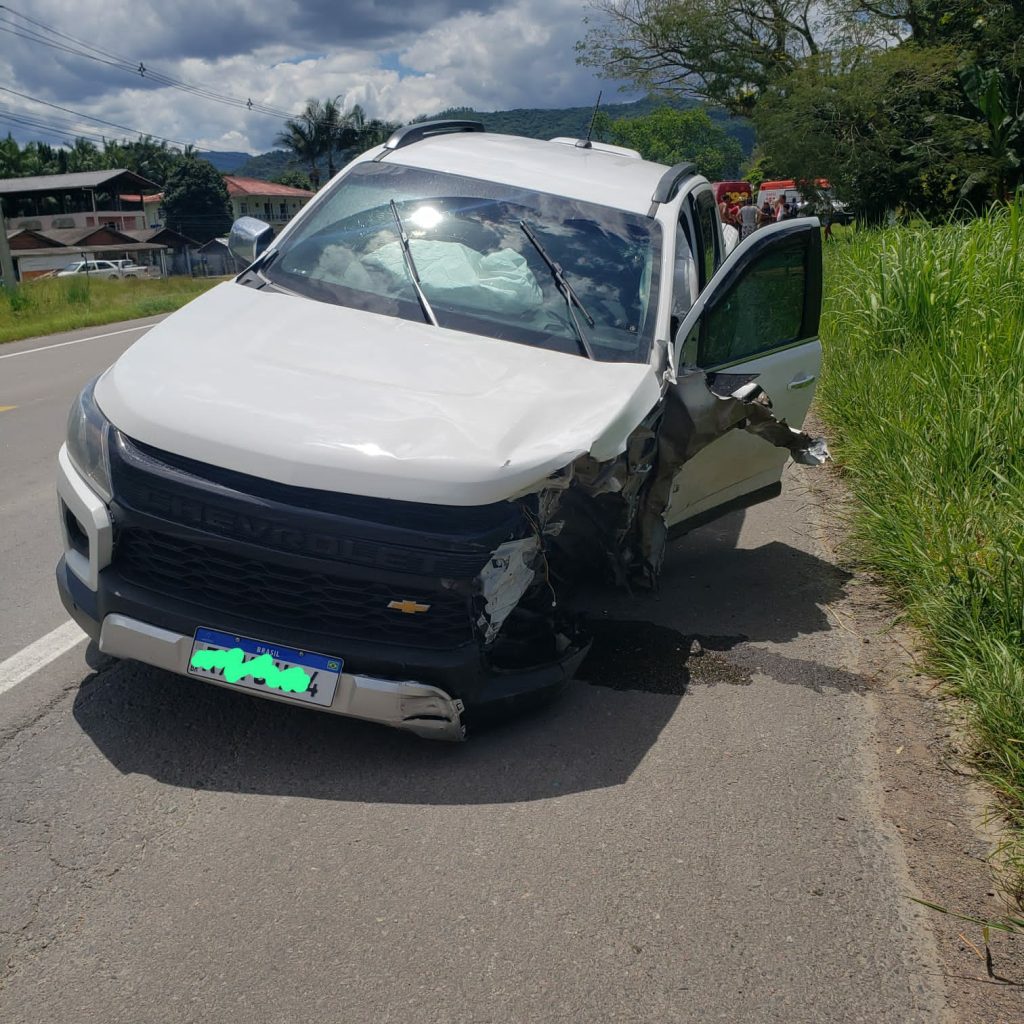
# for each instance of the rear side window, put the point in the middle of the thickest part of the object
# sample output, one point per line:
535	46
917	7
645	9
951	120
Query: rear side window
761	312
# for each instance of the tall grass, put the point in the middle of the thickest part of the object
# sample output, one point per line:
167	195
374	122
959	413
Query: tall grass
63	304
924	391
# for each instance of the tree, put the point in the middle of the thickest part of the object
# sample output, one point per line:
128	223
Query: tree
303	137
294	179
196	200
727	52
328	129
324	129
1000	99
888	132
669	136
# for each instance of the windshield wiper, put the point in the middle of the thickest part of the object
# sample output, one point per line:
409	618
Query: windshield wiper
562	284
410	264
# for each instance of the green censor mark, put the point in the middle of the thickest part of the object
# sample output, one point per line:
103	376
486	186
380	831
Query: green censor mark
233	666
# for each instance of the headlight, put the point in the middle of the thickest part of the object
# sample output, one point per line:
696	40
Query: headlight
88	429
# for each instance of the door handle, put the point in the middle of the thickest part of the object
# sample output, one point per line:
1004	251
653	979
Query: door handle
802	382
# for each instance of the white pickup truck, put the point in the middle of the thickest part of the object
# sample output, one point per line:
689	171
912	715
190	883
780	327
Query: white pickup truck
368	474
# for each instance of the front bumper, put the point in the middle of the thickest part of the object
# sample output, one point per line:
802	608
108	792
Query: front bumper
426	691
415	707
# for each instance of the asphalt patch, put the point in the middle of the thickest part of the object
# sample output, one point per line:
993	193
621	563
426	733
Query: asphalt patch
634	655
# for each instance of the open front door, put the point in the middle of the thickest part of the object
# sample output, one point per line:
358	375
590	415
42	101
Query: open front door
755	323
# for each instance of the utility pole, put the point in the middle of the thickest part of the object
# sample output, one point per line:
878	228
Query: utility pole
6	263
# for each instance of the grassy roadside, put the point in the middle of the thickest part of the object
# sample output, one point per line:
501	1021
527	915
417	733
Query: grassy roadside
52	305
924	393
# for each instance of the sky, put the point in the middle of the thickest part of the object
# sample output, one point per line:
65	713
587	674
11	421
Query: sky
396	60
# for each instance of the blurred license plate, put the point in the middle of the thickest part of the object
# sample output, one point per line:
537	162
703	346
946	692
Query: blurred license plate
301	676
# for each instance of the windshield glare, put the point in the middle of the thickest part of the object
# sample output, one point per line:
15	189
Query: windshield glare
477	267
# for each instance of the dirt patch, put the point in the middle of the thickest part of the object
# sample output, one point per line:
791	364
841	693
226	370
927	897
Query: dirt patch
927	790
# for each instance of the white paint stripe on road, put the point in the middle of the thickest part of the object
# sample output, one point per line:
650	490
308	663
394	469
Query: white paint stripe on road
31	659
78	341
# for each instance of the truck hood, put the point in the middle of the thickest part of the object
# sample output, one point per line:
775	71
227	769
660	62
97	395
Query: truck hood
316	395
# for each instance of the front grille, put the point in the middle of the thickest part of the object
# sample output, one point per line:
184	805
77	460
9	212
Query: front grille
285	597
456	521
428	541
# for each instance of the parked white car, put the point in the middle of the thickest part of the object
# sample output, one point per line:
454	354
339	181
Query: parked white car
473	371
111	269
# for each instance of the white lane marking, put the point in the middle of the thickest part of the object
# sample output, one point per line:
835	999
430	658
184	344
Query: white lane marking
31	659
78	341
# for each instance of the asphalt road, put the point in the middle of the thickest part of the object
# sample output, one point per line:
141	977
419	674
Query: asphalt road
692	834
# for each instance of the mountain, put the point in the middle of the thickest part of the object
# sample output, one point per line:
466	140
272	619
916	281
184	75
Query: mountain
531	122
269	165
537	123
226	161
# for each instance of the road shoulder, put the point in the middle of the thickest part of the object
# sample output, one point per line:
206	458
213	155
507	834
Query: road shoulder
926	789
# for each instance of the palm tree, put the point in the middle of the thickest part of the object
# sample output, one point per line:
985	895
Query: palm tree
329	128
303	135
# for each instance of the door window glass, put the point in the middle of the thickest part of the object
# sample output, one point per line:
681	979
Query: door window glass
706	216
762	311
684	275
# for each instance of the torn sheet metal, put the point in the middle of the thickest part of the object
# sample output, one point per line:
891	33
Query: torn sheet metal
503	581
761	421
607	517
698	410
710	405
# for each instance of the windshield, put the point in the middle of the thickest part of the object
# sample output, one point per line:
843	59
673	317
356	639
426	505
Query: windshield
477	267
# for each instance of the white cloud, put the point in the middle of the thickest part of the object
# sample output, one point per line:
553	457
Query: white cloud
396	61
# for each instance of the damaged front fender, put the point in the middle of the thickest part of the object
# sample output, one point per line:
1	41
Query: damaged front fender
608	516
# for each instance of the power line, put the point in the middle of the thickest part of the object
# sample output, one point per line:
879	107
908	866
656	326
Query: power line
66	43
55	131
89	117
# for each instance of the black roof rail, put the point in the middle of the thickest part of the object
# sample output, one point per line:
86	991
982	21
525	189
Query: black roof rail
428	129
668	188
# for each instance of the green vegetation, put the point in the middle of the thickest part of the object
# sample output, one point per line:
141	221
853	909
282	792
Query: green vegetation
924	391
325	133
530	123
903	105
890	131
196	201
152	159
293	179
670	136
64	304
534	123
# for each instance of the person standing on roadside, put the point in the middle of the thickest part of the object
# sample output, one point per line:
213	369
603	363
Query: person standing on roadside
780	208
826	217
748	219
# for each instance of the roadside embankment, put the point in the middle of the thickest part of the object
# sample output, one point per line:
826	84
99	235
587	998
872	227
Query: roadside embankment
924	393
65	304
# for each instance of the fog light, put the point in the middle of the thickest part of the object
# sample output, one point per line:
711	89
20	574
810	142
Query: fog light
77	536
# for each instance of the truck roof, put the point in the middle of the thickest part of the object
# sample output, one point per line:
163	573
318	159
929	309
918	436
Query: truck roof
595	175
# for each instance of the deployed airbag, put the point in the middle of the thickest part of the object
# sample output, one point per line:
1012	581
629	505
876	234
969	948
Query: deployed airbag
451	272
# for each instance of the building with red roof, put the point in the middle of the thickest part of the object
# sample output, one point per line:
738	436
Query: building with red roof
276	204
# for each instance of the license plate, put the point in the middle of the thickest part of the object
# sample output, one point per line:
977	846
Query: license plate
301	676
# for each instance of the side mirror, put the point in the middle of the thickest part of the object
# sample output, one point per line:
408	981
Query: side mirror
249	238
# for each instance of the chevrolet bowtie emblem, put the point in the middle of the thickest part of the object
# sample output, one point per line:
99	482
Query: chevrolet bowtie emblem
408	607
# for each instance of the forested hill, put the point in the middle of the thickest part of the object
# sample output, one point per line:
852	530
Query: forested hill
536	123
532	122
